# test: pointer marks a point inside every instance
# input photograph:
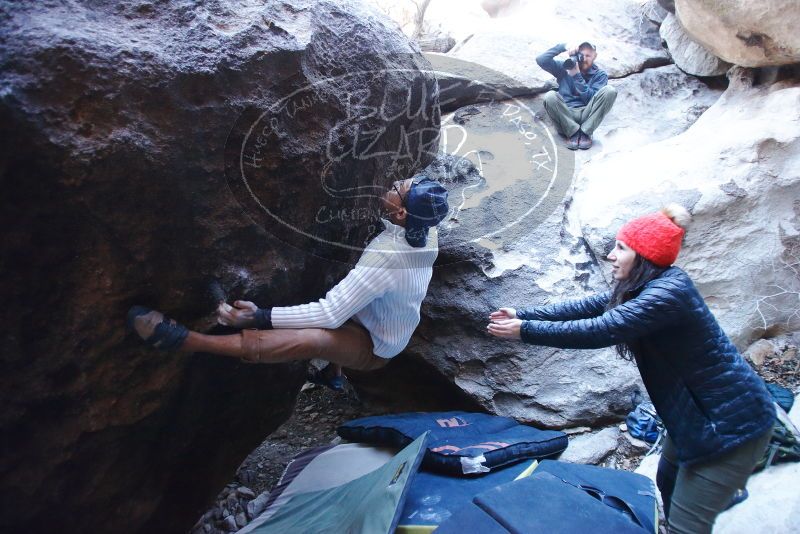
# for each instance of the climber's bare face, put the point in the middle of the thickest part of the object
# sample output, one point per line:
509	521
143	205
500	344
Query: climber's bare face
394	201
621	258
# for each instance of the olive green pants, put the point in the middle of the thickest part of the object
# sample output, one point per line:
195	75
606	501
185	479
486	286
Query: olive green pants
585	118
695	495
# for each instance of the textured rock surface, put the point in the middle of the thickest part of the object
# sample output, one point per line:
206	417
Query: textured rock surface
690	56
627	41
651	106
591	448
759	351
738	170
667	5
654	11
463	82
115	118
751	33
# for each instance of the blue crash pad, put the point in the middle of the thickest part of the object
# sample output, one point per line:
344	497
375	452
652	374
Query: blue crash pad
433	497
460	443
564	498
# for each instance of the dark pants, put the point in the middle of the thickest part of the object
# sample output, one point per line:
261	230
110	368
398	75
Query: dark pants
695	495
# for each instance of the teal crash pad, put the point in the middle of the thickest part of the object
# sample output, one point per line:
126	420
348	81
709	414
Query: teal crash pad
370	504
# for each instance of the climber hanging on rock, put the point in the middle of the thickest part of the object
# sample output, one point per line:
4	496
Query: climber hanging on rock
583	98
364	321
717	411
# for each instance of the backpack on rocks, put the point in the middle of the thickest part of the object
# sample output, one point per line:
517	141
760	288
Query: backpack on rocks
784	445
644	423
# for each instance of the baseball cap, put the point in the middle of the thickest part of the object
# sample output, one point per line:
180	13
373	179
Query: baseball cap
426	205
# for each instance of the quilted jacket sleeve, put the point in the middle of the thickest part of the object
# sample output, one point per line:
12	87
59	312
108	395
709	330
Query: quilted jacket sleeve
564	311
661	303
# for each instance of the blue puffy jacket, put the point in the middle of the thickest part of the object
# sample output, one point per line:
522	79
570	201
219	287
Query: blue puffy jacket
708	397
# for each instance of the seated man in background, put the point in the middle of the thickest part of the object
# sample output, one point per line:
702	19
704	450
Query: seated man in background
364	321
583	98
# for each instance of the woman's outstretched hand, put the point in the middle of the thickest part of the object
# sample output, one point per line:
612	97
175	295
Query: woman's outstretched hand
503	313
505	328
241	315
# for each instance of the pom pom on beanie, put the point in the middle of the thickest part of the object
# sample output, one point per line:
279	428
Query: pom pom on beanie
657	236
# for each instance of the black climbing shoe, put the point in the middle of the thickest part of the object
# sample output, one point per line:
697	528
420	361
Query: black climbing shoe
155	329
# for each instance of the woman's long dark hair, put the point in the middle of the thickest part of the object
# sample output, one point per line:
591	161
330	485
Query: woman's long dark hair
642	271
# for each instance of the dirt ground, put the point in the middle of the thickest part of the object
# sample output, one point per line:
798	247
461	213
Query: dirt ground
318	412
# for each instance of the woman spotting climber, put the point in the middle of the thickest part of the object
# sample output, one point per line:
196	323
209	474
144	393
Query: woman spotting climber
717	411
362	322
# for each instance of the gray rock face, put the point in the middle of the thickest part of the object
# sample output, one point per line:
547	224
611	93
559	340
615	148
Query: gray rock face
437	44
651	106
464	82
654	11
123	126
755	33
667	5
592	448
690	56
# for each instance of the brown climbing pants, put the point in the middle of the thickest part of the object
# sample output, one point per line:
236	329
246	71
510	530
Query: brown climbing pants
350	346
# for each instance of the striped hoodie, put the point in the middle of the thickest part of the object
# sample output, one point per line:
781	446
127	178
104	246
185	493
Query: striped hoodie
383	293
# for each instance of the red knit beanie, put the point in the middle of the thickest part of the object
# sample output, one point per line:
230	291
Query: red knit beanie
657	236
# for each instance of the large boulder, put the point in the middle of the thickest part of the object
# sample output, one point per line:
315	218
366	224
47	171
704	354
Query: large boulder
627	41
737	169
654	11
148	149
750	33
690	56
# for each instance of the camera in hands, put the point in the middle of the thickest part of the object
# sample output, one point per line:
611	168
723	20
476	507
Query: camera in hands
571	61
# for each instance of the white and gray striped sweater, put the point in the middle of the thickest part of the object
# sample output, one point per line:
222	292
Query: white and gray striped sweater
383	293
